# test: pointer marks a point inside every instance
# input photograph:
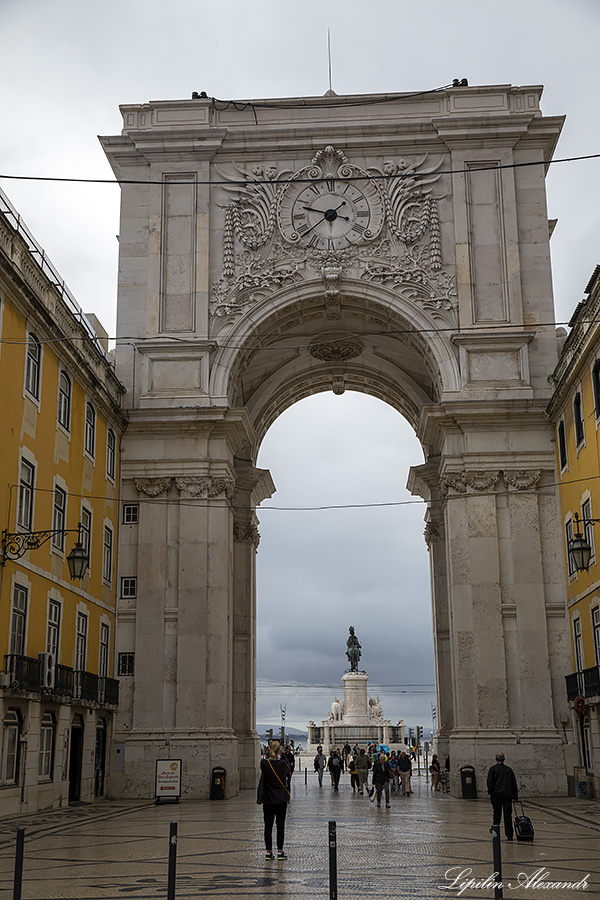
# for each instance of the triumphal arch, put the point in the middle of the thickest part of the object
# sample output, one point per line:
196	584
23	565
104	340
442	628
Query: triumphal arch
396	245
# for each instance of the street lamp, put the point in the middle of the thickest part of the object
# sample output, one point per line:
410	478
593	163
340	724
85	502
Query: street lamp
578	548
15	545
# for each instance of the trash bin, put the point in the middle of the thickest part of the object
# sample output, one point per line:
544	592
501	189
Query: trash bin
217	783
468	784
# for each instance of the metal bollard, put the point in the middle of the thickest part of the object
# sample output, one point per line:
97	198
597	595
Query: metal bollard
332	861
172	860
498	894
305	775
18	879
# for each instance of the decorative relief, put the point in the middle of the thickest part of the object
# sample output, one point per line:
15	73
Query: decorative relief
153	487
336	351
206	488
246	534
327	219
432	532
522	479
338	385
480	480
456	481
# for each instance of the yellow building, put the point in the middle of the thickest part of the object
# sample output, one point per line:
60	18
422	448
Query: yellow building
59	469
575	411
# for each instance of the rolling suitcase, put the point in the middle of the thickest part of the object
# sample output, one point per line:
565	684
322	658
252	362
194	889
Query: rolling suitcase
523	825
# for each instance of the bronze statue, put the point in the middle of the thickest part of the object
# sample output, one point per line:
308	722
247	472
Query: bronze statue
353	651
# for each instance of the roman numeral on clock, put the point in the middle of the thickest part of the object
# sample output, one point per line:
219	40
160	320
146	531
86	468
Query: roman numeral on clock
358	228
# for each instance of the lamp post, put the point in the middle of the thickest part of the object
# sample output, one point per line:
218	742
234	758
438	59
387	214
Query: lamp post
578	548
14	545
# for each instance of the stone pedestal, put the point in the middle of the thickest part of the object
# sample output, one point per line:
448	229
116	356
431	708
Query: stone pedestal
356	707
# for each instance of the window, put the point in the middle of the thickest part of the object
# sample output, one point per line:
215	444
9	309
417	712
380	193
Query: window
126	663
59	515
111	452
588	526
11	727
596	387
107	554
18	620
130	514
86	531
64	401
46	747
81	642
596	629
578	644
32	367
128	587
103	657
89	442
570	560
53	629
577	414
25	505
562	446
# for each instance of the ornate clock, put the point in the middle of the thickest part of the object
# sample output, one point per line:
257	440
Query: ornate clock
333	212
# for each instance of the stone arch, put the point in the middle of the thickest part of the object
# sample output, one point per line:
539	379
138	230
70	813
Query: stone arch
413	364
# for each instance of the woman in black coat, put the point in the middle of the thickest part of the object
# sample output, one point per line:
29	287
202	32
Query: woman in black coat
274	769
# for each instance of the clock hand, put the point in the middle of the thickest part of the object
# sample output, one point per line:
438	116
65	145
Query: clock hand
312	209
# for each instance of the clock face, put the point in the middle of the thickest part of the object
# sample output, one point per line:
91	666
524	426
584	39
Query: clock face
330	215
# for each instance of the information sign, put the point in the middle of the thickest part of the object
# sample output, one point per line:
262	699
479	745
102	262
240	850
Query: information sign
168	779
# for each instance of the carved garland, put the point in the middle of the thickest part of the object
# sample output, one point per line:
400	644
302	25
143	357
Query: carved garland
153	487
246	534
206	488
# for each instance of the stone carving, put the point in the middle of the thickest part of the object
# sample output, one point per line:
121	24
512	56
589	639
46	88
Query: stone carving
375	710
400	247
338	384
432	533
353	650
337	710
480	480
454	480
521	480
336	351
246	534
206	488
153	487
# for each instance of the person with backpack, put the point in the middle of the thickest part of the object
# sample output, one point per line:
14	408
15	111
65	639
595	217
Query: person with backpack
335	767
274	769
319	764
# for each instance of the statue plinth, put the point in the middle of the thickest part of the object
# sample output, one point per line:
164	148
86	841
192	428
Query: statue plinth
356	706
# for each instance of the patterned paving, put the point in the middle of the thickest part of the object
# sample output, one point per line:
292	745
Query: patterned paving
115	850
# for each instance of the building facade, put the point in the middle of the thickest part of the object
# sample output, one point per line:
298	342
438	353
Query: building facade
575	412
392	244
59	458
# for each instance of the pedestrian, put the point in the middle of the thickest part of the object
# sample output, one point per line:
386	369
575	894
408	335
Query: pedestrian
405	771
363	764
381	779
502	788
274	770
353	769
319	764
436	770
335	767
393	764
289	755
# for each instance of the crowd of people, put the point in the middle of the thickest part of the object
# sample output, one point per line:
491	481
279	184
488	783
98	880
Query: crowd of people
390	772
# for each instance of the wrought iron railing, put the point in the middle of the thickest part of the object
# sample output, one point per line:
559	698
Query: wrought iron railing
109	691
24	672
86	685
583	684
64	681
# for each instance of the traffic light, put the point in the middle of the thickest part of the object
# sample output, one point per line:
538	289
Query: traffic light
419	734
282	735
411	737
269	734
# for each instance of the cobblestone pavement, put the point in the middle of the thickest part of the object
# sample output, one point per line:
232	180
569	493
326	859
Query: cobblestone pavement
417	849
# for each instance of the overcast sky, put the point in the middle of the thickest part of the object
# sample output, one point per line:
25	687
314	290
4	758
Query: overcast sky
69	64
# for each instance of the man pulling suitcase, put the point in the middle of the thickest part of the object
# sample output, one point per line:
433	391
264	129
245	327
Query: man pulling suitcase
502	788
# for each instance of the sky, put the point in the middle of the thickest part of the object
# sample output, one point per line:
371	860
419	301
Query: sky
68	65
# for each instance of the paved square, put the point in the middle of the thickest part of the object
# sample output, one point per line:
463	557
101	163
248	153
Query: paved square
117	849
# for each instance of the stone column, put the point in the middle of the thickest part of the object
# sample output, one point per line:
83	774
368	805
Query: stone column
355	698
252	486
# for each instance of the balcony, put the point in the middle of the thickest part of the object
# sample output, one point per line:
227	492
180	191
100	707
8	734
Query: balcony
24	674
583	684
